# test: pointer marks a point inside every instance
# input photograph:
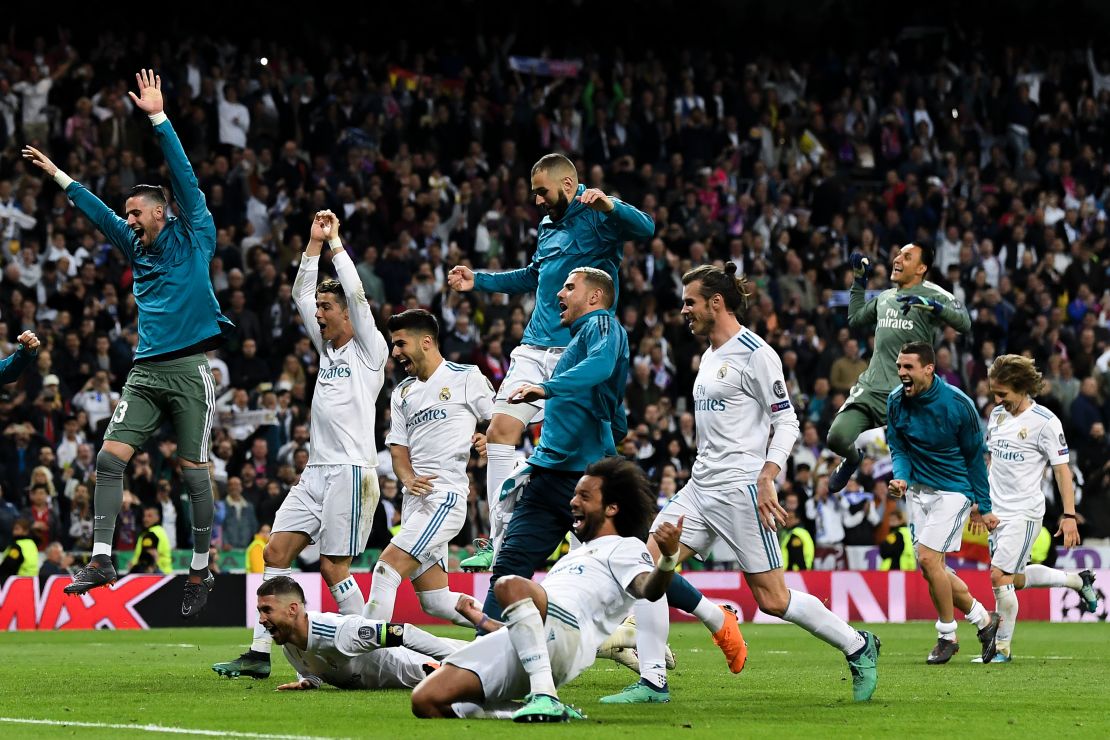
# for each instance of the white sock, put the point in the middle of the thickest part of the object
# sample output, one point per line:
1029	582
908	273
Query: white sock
102	548
811	615
262	640
526	633
199	561
1040	576
946	630
978	614
710	614
500	461
383	592
653	623
469	710
440	602
348	596
1006	604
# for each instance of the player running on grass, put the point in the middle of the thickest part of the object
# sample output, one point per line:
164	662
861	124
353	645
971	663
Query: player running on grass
179	320
938	453
333	503
552	630
1023	437
746	429
582	228
911	311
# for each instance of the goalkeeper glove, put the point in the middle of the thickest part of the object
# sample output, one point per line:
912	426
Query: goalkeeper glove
917	301
861	266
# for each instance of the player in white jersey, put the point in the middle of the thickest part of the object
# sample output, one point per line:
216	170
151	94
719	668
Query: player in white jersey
433	417
1023	438
553	630
333	503
346	651
746	429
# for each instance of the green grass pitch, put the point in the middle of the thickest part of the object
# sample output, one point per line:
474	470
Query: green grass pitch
793	686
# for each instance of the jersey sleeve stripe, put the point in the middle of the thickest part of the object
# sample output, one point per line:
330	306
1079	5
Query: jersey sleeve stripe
1042	413
747	342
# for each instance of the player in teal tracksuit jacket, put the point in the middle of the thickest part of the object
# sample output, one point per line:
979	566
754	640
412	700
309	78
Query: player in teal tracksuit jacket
179	320
585	393
936	440
583	237
939	455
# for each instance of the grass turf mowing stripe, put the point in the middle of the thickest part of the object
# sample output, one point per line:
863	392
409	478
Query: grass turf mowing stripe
155	728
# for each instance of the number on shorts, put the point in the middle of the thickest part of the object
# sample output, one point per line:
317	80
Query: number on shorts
121	411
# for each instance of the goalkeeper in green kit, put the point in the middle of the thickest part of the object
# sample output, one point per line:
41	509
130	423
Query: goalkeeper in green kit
912	311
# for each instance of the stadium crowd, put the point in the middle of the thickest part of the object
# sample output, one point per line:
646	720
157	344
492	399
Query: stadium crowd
783	165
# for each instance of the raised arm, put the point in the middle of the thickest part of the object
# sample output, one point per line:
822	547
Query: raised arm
861	312
304	287
110	224
625	221
358	306
186	190
12	366
602	346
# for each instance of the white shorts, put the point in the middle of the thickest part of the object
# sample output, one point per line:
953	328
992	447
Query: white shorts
528	365
729	515
501	508
428	523
937	518
494	661
334	505
1011	542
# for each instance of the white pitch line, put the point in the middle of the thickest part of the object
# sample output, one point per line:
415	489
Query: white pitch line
157	728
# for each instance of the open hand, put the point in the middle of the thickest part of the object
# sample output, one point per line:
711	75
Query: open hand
40	160
527	394
596	200
149	99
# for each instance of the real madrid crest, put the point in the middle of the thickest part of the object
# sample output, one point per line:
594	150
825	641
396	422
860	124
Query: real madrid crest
445	394
722	372
1023	433
405	390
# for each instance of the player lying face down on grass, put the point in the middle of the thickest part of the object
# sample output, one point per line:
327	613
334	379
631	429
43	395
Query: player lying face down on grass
582	600
346	651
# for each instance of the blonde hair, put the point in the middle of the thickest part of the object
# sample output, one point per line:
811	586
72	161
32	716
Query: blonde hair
1017	373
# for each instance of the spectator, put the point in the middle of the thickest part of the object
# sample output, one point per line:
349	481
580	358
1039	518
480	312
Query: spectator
847	368
22	557
240	522
154	543
56	561
255	562
824	511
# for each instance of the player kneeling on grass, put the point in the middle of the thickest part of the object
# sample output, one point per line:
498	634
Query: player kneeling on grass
552	631
346	651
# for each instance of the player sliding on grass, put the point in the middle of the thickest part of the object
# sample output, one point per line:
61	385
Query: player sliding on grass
552	630
910	311
334	501
179	320
938	453
746	429
346	651
1023	437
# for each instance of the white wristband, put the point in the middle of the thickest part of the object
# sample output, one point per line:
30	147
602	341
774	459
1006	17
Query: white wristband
667	563
335	243
63	179
158	118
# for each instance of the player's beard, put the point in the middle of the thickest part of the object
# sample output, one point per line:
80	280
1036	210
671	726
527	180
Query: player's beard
556	210
588	529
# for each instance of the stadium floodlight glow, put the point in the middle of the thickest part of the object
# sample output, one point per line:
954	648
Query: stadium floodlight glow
263	61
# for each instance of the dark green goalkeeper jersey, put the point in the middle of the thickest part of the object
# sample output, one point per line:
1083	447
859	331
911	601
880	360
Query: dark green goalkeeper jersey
893	329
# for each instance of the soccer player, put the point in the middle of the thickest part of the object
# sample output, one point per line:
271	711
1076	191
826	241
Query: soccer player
911	311
552	631
584	395
1023	437
582	228
333	503
346	651
179	320
746	429
12	366
434	412
939	460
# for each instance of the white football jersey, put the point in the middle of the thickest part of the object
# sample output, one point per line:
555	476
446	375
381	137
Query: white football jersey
589	586
740	396
340	656
1021	447
436	418
350	377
